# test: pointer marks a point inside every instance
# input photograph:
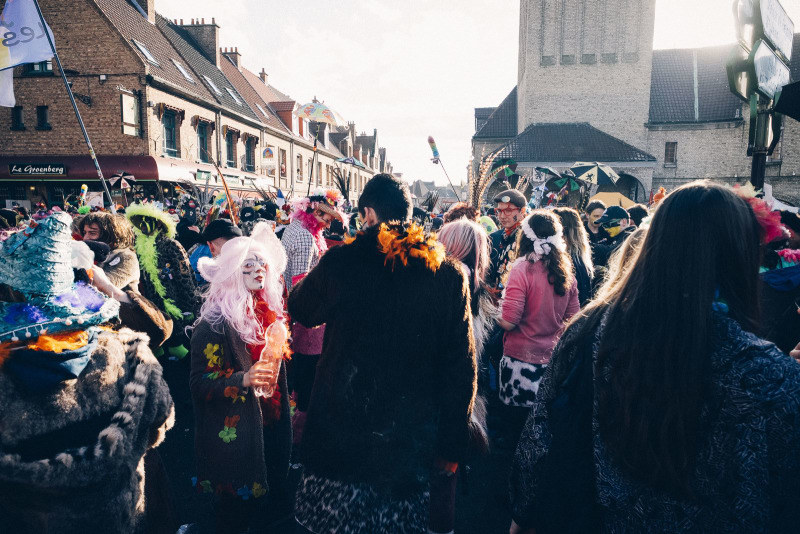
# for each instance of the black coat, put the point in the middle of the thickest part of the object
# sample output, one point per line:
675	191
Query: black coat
396	379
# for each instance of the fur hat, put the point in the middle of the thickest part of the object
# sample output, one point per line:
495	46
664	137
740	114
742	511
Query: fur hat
149	218
37	262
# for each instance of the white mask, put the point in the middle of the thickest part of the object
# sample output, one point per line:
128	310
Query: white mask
254	272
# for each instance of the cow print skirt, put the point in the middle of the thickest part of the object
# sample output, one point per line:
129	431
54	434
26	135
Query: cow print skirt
519	381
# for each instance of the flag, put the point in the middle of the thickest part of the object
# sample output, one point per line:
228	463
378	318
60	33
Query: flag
24	41
7	88
24	38
280	201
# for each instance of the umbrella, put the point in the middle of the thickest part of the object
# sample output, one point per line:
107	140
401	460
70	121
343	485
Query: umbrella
594	173
549	171
122	178
318	112
614	199
352	161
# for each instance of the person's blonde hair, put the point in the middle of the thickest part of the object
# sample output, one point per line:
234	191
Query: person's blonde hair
620	262
576	237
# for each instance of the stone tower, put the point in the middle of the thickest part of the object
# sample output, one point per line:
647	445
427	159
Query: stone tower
586	61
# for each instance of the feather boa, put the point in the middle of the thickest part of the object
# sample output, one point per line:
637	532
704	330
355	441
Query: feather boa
148	259
311	224
399	243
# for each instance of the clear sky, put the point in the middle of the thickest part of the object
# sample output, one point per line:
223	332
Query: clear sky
412	68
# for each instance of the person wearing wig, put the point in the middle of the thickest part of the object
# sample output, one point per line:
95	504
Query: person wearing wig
242	441
541	295
304	243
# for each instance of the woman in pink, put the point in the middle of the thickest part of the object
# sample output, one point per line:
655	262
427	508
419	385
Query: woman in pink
540	296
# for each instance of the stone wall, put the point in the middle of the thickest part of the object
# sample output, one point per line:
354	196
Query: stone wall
585	60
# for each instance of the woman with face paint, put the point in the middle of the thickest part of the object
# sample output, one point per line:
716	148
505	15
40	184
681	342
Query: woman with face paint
242	441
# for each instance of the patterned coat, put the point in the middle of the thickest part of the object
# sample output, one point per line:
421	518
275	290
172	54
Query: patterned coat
303	255
229	432
747	474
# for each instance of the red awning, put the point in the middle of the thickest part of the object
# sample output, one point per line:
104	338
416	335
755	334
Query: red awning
54	168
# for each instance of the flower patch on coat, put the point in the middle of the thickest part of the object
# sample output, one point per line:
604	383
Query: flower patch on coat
214	369
228	433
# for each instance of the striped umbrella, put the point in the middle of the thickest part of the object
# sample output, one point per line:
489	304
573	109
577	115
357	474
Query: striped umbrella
594	173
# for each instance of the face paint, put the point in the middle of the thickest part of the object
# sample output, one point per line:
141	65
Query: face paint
613	231
254	272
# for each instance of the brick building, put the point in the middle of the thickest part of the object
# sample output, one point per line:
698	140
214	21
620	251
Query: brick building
161	100
591	88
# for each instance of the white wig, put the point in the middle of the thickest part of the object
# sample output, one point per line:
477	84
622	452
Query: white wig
227	299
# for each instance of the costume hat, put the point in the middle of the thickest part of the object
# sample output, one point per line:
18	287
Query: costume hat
37	262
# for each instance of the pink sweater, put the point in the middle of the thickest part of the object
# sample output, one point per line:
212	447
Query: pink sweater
531	303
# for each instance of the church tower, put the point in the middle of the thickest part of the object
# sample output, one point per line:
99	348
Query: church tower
586	61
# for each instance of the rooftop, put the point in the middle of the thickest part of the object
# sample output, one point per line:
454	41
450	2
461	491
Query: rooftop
569	142
502	122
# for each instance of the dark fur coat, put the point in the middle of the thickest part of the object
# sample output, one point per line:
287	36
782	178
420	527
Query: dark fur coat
71	460
397	376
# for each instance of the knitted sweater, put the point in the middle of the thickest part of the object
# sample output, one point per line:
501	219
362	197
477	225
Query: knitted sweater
531	303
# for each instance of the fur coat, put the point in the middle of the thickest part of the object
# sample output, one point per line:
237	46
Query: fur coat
72	459
396	379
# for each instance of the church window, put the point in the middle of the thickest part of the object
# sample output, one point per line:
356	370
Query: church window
671	153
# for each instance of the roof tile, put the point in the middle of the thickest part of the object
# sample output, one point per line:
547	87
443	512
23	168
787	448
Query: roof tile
566	142
502	123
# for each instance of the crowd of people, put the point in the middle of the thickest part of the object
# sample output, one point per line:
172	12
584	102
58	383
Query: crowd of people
638	364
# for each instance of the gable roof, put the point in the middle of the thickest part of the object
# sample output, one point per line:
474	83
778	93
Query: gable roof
133	26
189	50
672	86
250	95
502	123
367	142
267	92
570	142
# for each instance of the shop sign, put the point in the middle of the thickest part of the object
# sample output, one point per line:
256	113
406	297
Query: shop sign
37	169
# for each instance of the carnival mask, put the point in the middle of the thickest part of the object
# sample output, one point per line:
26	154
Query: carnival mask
254	272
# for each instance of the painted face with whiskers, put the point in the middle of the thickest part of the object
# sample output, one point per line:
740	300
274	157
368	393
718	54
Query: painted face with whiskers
254	272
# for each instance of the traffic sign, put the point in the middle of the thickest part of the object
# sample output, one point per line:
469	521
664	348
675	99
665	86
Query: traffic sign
771	73
759	71
764	19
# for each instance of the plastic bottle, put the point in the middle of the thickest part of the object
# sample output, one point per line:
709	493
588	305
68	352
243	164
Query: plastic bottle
276	336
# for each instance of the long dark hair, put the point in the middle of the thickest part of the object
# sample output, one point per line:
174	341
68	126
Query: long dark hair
559	265
703	244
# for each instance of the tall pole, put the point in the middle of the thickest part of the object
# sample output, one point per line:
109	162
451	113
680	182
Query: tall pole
75	108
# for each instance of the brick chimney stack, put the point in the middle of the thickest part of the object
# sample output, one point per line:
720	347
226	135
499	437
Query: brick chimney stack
234	55
206	36
264	77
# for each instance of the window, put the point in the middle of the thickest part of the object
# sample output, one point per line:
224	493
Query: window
230	149
250	155
233	95
282	159
299	168
202	142
319	173
130	114
170	141
38	69
43	118
262	110
146	53
17	121
671	153
184	72
211	84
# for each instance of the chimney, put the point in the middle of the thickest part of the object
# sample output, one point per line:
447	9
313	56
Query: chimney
234	55
264	77
150	7
207	38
